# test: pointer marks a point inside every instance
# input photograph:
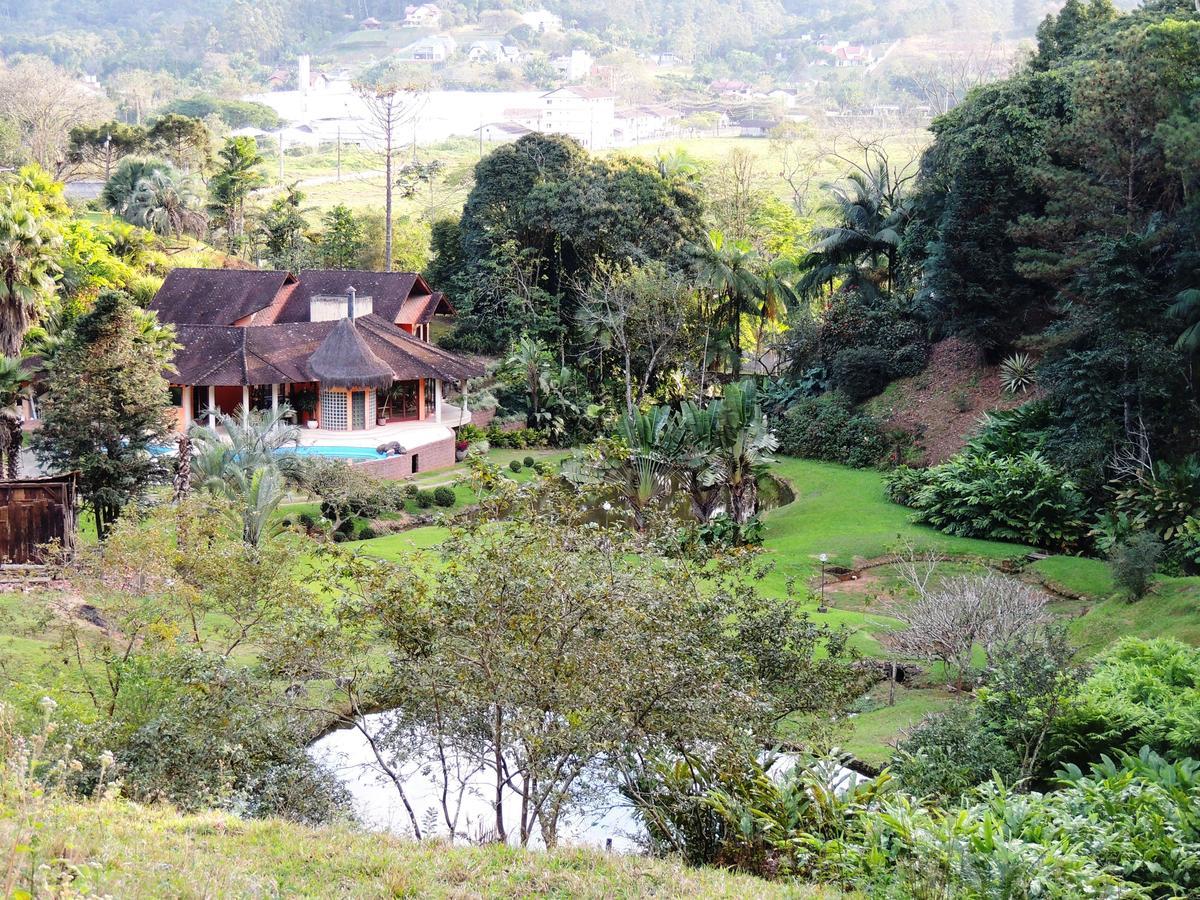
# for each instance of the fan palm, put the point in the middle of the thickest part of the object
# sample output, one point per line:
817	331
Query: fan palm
167	204
119	189
700	468
642	471
529	359
248	465
27	268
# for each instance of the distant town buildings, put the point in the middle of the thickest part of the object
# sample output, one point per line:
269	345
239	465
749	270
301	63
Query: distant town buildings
493	51
576	66
426	15
541	21
431	48
844	54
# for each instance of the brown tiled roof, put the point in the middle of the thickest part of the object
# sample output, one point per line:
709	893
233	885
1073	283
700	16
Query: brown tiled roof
388	290
216	296
274	354
418	310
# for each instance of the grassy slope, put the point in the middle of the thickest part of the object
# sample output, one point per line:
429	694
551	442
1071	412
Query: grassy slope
124	850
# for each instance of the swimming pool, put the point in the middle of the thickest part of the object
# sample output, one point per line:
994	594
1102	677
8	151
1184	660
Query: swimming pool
331	452
335	452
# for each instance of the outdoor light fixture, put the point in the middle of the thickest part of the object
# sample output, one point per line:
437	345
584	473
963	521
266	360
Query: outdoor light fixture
824	557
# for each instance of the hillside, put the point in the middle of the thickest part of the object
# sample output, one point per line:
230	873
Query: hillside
119	849
943	405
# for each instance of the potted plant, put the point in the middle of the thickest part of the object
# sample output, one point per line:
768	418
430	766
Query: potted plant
460	450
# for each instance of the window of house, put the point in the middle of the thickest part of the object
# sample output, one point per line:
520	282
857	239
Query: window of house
335	413
430	396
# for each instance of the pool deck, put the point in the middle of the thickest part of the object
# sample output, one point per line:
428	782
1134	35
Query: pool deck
409	435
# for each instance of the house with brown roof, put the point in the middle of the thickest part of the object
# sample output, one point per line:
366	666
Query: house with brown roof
348	351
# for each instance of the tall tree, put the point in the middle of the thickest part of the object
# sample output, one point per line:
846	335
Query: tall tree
102	146
46	102
238	173
184	140
28	265
731	287
12	379
284	231
107	403
394	99
342	239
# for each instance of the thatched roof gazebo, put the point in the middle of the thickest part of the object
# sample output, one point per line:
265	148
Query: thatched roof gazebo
345	360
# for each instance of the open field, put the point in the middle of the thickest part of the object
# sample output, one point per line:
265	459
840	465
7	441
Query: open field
125	850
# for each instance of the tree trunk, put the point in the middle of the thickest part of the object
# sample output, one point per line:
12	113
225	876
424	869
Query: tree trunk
387	199
13	469
498	743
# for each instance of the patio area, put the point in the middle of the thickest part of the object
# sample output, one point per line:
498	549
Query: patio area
410	435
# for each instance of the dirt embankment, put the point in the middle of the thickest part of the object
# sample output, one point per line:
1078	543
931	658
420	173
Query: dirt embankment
945	404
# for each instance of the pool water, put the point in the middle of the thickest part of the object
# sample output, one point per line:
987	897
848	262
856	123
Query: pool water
338	452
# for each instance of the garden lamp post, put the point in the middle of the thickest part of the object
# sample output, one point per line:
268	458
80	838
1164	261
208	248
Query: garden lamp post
824	557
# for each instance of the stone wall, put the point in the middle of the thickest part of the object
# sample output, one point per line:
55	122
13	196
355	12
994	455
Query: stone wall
438	455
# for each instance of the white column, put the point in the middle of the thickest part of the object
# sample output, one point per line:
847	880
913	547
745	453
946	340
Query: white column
212	405
274	399
186	394
437	400
245	398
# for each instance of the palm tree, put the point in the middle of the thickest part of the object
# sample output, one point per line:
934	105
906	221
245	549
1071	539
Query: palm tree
1187	308
12	377
119	189
167	204
27	268
871	212
732	288
642	472
745	448
700	468
248	465
529	360
239	173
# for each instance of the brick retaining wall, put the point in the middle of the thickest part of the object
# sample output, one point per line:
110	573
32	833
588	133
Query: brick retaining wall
438	455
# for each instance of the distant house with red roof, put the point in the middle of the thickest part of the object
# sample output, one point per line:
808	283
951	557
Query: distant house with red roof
348	350
846	55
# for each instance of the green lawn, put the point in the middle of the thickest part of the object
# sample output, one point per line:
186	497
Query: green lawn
870	734
119	849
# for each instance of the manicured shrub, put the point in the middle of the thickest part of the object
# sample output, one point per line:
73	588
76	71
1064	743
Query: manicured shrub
828	428
515	465
411	490
1133	562
366	533
861	372
1020	498
528	461
425	499
307	520
444	496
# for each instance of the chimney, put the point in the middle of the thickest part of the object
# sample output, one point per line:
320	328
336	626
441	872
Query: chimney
350	292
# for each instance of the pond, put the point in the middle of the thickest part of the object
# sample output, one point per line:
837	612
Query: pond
377	803
606	817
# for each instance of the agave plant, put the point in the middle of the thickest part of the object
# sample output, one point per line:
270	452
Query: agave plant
1017	374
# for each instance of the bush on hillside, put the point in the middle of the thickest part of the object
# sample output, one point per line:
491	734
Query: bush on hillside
444	496
425	499
528	462
1023	499
948	754
828	428
1133	562
861	372
515	466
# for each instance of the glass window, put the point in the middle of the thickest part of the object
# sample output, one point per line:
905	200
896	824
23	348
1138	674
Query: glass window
334	412
358	407
430	396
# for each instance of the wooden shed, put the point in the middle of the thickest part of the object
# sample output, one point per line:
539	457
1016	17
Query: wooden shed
33	512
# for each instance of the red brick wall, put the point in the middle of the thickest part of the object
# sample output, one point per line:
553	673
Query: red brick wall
482	418
429	457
